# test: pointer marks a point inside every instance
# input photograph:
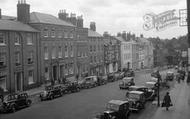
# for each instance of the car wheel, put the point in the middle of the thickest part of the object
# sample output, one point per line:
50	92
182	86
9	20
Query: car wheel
51	97
13	108
28	103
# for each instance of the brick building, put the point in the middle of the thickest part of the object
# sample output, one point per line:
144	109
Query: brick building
19	60
96	53
111	53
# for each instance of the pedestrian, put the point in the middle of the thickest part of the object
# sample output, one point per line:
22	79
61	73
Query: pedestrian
188	77
167	101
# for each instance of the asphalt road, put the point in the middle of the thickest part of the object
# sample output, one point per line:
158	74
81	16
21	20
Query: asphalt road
82	105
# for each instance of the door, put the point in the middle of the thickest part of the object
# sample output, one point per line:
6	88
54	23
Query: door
18	81
54	73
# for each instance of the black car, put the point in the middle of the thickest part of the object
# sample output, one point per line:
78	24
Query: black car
136	100
148	90
51	92
72	87
116	109
16	101
111	77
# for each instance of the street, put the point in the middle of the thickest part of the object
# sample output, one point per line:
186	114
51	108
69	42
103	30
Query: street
82	105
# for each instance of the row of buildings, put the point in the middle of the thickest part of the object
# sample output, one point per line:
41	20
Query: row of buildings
36	48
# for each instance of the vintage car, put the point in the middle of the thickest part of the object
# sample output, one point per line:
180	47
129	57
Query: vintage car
119	75
154	74
72	87
129	73
136	100
148	90
126	82
169	75
101	80
116	109
111	77
51	92
91	81
15	101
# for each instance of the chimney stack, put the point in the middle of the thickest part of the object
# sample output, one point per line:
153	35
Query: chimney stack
23	12
0	13
80	21
124	35
93	26
63	15
73	19
141	36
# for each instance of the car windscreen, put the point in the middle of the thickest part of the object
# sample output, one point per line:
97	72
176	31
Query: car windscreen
112	106
133	96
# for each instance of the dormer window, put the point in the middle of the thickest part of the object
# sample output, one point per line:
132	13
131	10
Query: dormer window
45	32
52	32
17	39
2	38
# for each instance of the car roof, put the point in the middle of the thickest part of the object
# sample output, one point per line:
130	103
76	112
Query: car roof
117	102
136	92
150	82
128	77
137	86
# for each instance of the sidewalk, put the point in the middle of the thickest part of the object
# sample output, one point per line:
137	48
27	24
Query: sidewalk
180	96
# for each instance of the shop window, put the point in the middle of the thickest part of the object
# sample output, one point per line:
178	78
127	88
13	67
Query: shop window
30	77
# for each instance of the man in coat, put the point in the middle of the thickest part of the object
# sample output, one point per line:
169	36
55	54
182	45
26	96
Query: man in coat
167	101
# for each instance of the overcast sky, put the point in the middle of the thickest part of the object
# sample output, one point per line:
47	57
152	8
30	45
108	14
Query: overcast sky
110	15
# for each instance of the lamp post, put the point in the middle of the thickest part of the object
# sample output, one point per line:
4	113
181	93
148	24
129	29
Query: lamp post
188	28
158	88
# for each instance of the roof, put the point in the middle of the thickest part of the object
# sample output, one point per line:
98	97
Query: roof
136	92
92	33
8	17
137	86
117	102
11	25
36	17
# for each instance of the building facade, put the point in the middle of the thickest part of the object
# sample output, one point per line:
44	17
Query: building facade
19	59
96	51
146	55
111	53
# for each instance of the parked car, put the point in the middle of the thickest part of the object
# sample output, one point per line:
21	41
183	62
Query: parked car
129	73
118	75
15	101
116	109
126	82
91	81
154	74
101	80
149	92
136	100
111	77
81	83
72	87
52	91
169	75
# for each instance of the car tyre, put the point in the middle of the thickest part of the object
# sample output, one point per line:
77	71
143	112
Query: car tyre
28	103
51	97
13	108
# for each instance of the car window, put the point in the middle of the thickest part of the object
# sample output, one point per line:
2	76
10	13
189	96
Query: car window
133	96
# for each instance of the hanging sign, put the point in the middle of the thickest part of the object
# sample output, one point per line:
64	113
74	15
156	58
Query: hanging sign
160	21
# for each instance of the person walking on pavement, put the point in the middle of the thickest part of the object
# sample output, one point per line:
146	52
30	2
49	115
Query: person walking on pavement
167	101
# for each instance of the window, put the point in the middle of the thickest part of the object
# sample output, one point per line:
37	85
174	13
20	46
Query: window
53	52
60	34
66	50
2	59
46	55
66	69
71	67
60	54
17	58
3	83
72	51
95	59
94	48
45	33
17	39
30	57
2	39
46	73
90	48
30	77
71	35
29	39
52	32
65	35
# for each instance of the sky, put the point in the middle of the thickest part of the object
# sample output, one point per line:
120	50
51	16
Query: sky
112	16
